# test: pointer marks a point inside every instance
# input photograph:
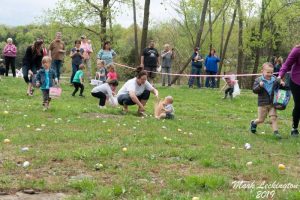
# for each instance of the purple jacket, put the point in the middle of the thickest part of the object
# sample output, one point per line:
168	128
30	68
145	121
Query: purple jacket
10	50
292	64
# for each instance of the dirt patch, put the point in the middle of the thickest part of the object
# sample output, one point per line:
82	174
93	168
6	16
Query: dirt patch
23	196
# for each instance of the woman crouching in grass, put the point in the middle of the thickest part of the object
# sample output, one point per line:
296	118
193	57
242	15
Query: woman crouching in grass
136	91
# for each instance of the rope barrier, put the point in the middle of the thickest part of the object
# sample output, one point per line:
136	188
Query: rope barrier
193	75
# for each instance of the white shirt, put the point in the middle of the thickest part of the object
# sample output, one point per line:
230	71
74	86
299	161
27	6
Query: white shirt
132	86
105	88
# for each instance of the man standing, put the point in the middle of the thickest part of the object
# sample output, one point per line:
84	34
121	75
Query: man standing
87	55
150	60
57	53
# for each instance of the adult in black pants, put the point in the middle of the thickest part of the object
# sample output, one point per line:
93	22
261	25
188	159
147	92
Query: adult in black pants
10	52
32	62
292	64
104	91
136	91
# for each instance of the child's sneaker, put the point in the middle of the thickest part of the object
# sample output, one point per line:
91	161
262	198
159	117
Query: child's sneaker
277	135
294	133
81	95
253	127
102	107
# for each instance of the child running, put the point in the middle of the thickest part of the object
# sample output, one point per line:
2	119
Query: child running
105	91
78	81
264	87
45	79
165	109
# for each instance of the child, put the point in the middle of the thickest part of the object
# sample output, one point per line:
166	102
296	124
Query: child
101	72
165	109
77	55
78	81
230	87
264	87
104	91
44	79
112	74
278	64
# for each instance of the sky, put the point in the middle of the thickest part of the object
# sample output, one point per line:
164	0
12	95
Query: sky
23	12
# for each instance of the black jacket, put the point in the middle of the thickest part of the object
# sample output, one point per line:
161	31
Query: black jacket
264	98
32	59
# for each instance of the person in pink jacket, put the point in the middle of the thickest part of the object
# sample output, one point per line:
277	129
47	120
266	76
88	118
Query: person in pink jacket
9	53
87	47
292	64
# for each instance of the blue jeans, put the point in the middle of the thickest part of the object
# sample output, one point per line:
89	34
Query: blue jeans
165	76
210	81
195	71
74	70
56	65
25	70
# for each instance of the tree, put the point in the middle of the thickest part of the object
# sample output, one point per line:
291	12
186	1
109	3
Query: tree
264	6
198	39
136	51
226	42
240	59
145	25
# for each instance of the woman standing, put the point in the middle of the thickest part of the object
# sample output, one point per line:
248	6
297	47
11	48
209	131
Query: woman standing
292	64
211	68
32	62
136	91
10	53
106	53
197	61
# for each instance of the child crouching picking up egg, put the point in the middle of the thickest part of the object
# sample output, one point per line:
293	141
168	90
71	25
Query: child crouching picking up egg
164	109
45	79
231	85
104	91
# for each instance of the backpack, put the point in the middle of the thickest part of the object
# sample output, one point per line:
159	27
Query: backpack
282	95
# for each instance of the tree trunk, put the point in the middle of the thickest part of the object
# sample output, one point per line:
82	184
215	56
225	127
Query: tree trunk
136	46
222	33
240	60
103	17
210	27
198	39
145	25
111	32
226	44
261	27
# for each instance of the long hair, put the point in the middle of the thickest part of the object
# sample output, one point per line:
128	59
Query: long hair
209	55
37	47
105	43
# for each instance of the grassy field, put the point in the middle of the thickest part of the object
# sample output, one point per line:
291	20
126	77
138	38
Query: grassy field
199	154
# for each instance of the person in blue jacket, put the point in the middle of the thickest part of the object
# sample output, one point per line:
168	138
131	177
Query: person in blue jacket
197	61
211	68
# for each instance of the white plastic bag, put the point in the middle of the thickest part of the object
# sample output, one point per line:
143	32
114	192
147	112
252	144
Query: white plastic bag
236	89
113	101
96	82
158	69
19	73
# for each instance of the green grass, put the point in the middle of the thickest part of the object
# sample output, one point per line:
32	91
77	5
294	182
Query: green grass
77	135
